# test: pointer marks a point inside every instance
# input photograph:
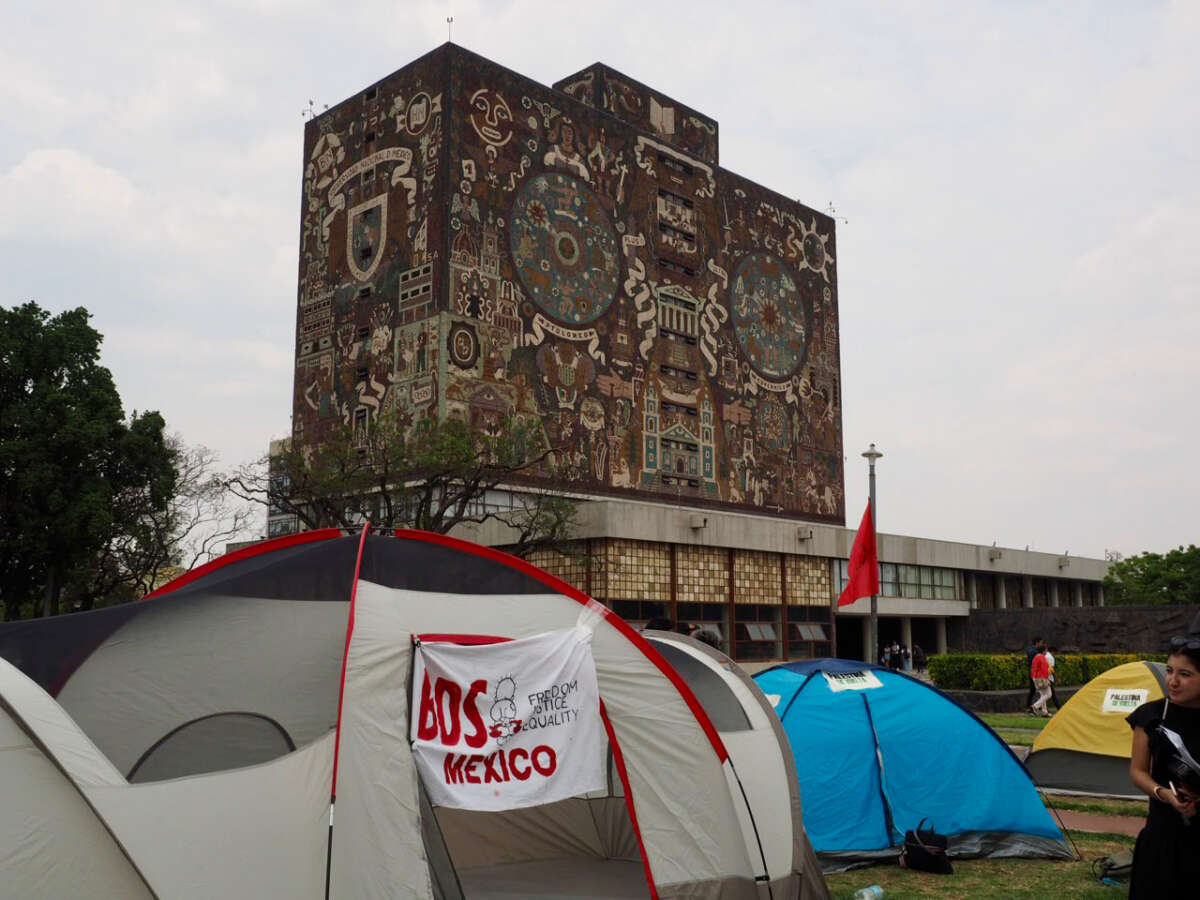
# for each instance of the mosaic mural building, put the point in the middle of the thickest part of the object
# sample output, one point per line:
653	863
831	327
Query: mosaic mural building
476	244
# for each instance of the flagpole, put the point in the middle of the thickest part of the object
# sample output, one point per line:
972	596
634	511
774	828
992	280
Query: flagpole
872	454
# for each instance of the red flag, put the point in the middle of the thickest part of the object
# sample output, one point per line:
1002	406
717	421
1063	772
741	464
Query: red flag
864	563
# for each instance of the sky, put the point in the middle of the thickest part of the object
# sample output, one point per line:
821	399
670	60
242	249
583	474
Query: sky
1016	184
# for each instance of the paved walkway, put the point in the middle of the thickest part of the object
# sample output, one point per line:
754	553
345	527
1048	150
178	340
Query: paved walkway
1082	821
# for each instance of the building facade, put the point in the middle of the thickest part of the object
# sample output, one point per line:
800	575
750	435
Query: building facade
768	590
476	244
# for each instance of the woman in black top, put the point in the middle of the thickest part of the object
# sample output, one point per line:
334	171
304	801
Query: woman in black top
1166	858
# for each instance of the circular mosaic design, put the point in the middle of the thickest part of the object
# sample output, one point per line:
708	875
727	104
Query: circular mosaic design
772	426
564	248
769	316
463	344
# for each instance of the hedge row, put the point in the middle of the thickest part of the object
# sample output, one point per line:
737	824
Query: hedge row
1007	671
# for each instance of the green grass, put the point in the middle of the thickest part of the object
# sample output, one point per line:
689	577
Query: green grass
1014	720
988	879
1098	805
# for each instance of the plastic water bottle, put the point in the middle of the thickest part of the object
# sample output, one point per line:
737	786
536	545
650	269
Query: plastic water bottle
874	892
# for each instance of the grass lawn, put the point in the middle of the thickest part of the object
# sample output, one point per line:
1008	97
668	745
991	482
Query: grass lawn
1018	738
1036	879
1099	805
1014	720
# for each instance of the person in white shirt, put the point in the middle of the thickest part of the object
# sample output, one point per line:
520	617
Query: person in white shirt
1050	659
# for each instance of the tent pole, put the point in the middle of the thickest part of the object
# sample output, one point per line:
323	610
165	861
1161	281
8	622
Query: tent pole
337	740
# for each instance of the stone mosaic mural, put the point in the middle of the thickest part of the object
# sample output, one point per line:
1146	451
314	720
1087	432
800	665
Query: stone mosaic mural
479	245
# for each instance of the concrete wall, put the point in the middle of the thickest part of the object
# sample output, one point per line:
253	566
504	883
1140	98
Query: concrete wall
1111	629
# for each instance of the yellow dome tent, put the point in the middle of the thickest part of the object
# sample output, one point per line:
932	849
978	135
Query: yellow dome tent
1085	748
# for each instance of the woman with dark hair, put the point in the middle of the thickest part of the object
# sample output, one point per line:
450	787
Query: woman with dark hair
1166	765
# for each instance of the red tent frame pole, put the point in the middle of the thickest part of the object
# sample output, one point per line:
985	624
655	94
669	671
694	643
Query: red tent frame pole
337	739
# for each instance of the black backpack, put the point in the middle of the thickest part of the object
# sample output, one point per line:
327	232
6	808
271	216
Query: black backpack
926	851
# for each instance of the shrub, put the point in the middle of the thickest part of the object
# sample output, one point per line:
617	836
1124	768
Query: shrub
1007	671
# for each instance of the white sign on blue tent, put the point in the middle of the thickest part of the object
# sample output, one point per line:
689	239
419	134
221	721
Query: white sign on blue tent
510	724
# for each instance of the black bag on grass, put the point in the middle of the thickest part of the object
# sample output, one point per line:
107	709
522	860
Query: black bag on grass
926	851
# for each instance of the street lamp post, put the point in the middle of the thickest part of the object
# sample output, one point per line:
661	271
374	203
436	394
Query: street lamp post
872	454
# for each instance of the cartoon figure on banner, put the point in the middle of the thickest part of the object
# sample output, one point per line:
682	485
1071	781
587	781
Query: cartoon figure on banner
503	714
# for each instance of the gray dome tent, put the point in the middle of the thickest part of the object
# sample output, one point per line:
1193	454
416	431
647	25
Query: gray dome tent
754	737
152	743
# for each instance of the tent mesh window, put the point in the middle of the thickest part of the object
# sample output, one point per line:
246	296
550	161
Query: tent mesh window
722	706
210	744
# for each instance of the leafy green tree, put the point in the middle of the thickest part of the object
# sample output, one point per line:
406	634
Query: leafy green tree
1149	578
75	475
431	475
153	540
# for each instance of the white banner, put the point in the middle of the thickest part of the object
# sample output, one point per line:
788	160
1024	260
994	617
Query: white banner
1123	700
852	681
508	725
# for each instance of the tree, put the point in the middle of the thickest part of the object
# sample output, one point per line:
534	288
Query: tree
1152	578
153	540
430	475
74	474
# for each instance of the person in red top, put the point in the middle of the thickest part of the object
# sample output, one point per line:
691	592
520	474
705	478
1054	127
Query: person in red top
1039	671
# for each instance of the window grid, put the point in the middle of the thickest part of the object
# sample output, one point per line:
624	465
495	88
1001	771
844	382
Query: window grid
633	570
702	575
756	577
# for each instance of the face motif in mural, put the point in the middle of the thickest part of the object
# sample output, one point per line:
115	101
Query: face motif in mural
491	118
769	316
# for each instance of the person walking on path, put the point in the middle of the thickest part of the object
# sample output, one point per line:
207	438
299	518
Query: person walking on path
1051	663
1166	857
1039	673
918	656
1030	652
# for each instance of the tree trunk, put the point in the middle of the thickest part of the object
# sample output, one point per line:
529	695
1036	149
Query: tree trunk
50	599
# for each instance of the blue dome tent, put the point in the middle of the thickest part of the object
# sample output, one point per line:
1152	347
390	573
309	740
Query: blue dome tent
876	751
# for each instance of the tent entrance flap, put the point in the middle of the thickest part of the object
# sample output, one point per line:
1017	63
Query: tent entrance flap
889	824
578	847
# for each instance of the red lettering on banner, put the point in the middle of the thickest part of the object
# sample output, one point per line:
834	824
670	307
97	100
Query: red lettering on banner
469	769
546	768
500	767
490	773
512	765
449	730
479	737
453	768
427	727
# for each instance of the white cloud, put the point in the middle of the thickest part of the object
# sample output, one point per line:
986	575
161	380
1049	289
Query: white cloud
1017	278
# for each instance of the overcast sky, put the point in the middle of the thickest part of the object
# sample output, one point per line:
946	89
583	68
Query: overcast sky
1018	269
